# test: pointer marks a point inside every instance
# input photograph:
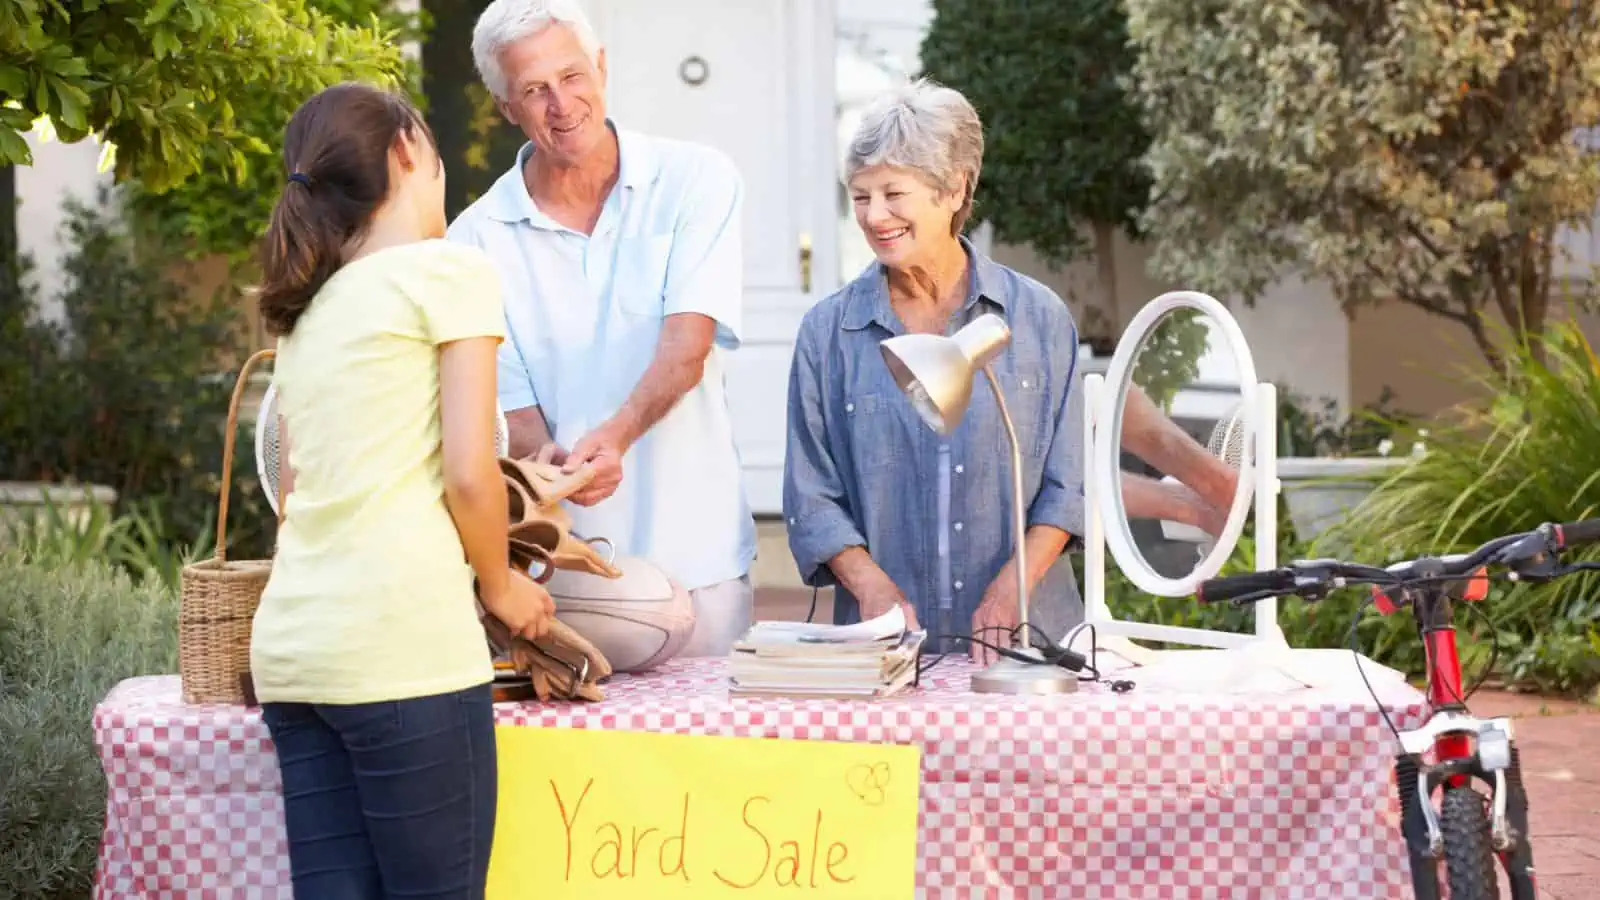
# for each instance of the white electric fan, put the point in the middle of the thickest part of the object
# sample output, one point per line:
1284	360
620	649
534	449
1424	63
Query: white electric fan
267	443
1227	444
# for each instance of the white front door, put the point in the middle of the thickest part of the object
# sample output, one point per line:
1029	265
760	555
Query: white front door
753	78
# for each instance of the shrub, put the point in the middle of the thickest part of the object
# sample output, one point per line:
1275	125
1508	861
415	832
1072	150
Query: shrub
68	634
134	541
125	390
1523	455
1304	431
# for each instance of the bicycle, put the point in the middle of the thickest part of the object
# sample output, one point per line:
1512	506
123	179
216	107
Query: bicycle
1467	830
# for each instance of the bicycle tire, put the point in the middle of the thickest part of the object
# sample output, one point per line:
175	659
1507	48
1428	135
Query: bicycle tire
1468	855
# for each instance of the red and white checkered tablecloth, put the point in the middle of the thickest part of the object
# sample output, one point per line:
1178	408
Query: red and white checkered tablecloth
1160	792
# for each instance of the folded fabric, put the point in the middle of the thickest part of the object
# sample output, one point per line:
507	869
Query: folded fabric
534	491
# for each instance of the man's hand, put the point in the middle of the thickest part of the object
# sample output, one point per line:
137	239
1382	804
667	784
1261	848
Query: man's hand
679	363
551	454
602	450
997	617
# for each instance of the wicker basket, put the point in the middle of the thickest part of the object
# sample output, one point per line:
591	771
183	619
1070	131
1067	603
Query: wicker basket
220	598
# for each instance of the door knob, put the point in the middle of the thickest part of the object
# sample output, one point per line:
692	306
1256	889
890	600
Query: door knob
805	261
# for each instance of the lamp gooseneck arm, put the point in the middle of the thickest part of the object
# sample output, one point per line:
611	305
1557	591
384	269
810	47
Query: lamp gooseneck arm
1018	516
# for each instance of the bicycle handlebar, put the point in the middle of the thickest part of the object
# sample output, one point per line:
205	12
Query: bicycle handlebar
1530	554
1573	534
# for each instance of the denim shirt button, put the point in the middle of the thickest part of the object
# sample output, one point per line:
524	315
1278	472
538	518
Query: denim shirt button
958	585
849	407
1024	382
959	469
958	526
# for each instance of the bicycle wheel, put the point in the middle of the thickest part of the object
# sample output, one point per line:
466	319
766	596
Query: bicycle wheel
1468	856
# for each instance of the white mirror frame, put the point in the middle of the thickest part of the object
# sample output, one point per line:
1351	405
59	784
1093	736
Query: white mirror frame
1107	524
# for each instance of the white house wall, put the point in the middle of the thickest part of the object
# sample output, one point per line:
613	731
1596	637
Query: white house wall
59	171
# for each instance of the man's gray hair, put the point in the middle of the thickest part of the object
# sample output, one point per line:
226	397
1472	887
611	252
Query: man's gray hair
926	127
504	22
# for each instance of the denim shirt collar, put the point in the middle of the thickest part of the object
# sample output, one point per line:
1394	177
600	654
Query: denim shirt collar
869	294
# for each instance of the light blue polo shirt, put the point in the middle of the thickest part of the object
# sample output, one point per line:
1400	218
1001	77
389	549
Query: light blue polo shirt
583	314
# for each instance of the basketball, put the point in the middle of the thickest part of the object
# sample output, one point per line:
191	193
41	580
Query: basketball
638	621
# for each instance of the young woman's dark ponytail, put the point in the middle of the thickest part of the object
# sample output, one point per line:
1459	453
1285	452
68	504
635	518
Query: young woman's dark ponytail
336	149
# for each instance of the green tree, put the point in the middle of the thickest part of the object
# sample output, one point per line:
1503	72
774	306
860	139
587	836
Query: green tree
1420	152
175	86
223	207
1063	139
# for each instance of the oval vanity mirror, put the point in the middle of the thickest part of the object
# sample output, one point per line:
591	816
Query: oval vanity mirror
1173	466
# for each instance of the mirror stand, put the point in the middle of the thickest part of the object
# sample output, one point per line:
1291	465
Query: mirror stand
1116	635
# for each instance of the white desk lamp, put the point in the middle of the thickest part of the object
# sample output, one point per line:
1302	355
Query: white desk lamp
936	373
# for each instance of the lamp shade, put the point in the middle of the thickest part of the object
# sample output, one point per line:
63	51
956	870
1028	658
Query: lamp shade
936	371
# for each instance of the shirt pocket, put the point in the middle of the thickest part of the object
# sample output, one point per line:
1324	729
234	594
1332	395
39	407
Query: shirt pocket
641	279
1032	413
871	419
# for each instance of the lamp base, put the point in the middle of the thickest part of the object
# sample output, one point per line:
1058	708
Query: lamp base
1008	676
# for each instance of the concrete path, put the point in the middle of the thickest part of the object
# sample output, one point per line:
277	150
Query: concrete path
1560	743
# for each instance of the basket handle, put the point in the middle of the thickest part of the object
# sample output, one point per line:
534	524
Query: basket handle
227	448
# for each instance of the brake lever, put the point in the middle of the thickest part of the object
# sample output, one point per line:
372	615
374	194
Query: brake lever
1534	558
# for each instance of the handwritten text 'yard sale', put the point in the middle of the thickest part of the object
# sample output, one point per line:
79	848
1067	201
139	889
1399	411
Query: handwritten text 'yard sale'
596	815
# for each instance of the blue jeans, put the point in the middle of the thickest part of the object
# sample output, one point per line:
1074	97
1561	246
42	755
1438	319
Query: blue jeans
390	799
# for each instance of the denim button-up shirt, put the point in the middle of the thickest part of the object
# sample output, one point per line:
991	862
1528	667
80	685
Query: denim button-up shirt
934	512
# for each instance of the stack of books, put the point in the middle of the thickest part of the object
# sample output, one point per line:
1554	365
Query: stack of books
865	661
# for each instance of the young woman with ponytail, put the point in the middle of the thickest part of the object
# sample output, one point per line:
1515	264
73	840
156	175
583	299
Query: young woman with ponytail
367	654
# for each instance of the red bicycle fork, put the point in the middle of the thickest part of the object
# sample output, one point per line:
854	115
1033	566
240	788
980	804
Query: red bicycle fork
1463	748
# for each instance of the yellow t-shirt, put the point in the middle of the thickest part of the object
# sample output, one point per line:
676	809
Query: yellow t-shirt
371	597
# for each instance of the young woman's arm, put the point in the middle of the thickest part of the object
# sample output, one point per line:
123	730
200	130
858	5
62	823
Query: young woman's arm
474	489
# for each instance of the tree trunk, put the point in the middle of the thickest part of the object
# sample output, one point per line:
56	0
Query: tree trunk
9	263
450	82
1105	246
1536	265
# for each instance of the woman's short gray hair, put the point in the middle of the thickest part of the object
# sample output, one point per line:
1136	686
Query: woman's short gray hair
504	22
928	128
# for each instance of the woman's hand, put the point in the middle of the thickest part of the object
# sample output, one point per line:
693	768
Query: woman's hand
997	617
874	590
525	606
873	606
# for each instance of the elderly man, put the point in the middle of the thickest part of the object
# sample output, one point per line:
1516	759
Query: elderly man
621	259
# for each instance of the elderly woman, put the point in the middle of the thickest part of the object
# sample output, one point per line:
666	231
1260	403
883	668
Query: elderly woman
878	504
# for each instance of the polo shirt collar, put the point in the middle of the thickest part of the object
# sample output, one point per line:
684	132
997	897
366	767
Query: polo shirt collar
509	199
869	297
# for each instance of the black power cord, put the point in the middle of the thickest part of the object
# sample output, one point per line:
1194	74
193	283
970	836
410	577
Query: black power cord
1049	654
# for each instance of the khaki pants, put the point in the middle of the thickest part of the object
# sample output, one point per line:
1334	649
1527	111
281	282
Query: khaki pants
723	612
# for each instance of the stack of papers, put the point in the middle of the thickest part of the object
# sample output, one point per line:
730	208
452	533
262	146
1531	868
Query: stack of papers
867	660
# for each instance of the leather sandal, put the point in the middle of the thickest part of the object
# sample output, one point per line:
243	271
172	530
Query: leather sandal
534	493
545	482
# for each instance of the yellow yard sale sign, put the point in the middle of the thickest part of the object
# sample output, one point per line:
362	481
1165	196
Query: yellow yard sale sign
596	815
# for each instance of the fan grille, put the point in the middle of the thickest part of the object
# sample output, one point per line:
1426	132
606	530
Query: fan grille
1227	438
